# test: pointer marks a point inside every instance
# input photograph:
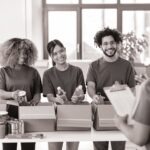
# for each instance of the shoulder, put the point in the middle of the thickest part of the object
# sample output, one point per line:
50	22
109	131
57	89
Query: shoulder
4	69
49	71
125	62
96	62
31	69
75	69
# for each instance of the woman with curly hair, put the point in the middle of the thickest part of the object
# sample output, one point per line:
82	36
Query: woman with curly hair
16	56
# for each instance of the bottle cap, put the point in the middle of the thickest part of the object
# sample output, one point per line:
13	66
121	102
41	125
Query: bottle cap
80	87
58	88
22	93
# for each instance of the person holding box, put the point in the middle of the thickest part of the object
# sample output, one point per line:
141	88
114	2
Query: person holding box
16	75
60	84
106	71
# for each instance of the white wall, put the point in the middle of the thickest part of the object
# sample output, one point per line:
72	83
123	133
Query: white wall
22	18
12	16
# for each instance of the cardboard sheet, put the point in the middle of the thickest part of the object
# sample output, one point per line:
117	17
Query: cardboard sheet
122	100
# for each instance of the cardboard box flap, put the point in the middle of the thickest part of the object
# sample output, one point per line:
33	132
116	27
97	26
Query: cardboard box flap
75	122
74	111
105	118
37	112
12	102
3	105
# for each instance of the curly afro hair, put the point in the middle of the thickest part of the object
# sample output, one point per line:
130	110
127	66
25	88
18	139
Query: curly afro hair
107	32
10	51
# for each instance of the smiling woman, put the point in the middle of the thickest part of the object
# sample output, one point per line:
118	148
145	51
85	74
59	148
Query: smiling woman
16	56
65	76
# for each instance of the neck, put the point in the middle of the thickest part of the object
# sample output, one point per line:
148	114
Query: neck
111	59
62	67
18	66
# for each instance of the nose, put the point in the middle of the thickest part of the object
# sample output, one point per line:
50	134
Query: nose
109	45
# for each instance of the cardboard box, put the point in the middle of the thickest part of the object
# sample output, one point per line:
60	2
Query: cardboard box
3	104
38	118
103	119
74	117
12	108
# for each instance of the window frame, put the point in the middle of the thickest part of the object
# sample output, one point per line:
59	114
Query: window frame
120	7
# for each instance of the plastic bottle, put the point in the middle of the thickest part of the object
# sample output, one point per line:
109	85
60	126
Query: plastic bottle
78	91
60	91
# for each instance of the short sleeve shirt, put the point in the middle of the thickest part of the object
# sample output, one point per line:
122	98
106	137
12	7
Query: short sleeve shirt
104	73
68	80
27	79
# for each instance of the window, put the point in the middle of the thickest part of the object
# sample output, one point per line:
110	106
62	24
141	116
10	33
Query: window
75	23
91	24
57	20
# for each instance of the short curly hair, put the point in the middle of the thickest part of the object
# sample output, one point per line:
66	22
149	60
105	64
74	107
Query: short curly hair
107	32
10	51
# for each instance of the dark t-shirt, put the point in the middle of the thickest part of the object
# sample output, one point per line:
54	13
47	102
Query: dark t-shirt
27	79
104	74
68	80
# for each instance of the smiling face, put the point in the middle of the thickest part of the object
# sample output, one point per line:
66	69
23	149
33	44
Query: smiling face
22	57
59	55
109	46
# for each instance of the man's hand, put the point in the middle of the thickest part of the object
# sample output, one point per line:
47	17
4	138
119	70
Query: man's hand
15	94
59	99
98	99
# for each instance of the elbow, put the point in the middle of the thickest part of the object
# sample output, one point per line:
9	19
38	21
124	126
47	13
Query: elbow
140	141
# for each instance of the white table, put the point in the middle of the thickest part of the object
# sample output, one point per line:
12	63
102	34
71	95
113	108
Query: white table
63	136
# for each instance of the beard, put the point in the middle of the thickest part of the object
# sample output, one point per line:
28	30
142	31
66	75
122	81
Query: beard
110	55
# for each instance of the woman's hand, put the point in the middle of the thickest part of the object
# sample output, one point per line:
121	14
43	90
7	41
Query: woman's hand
59	99
33	102
77	99
15	94
119	120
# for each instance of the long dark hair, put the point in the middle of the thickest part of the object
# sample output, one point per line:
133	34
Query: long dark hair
50	47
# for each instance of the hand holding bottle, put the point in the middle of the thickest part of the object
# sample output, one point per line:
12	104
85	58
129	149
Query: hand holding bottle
78	95
61	96
98	99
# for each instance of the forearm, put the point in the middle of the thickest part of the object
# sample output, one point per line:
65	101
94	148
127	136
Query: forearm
51	98
36	99
91	91
127	130
5	95
133	134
